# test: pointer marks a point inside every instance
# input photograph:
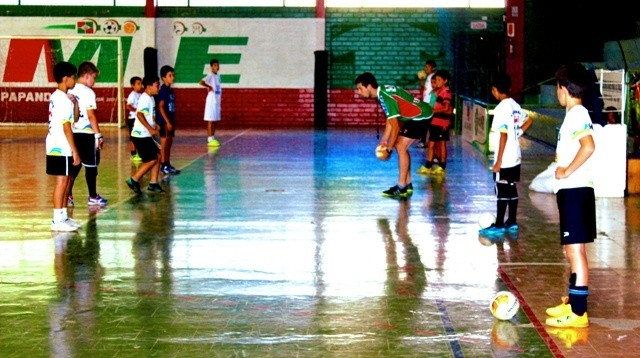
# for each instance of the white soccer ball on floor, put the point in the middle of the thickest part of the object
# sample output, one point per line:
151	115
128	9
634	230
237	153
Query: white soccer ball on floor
504	305
486	219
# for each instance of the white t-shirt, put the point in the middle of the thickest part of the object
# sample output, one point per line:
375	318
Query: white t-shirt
146	106
576	125
60	112
213	80
86	100
508	117
426	94
133	101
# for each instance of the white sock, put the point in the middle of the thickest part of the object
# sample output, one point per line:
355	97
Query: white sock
59	215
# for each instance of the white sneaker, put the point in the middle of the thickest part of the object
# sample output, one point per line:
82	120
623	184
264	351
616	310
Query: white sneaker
63	226
73	222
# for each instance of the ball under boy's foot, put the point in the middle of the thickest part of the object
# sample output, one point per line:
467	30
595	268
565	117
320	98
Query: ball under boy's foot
561	309
134	185
570	320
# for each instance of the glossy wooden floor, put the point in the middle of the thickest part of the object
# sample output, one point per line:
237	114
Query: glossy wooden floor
279	244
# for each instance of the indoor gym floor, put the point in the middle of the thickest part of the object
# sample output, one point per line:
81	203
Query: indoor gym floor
280	244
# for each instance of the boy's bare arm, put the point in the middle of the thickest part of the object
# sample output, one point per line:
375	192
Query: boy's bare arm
146	124
587	147
503	143
68	133
164	115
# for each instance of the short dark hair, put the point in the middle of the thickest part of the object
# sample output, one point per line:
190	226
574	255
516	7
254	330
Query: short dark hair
366	79
575	77
444	74
431	62
215	60
87	67
164	70
149	80
502	82
63	69
134	79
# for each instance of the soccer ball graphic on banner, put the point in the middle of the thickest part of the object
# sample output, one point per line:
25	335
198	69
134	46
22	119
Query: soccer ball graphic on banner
504	305
110	27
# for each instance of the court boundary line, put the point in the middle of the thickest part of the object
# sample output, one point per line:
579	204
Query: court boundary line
553	347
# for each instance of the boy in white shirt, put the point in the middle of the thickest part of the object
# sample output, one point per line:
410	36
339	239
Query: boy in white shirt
575	194
212	107
62	154
131	105
509	122
144	129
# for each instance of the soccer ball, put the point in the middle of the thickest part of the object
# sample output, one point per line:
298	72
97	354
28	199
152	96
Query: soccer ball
110	27
504	305
381	153
486	219
422	75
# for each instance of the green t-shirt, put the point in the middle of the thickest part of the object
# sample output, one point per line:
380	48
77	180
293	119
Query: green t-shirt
398	103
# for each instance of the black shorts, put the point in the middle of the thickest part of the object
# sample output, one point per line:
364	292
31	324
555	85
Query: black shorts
59	165
130	122
510	175
414	129
438	134
86	144
577	208
146	147
165	133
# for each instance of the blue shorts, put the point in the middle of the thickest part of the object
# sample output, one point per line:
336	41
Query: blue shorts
577	208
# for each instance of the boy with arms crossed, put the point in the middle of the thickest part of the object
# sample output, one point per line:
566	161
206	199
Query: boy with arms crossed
62	154
575	195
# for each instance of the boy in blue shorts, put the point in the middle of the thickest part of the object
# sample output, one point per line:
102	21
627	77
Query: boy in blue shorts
144	129
509	122
574	193
413	115
62	154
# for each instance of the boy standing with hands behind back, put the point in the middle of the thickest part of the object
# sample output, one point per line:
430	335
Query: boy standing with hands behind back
62	154
575	195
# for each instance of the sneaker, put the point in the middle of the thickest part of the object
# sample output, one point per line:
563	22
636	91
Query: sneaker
395	192
409	188
424	170
492	231
570	320
97	200
512	227
155	187
560	310
173	169
165	169
213	143
63	226
439	171
70	201
72	222
134	185
136	158
571	336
